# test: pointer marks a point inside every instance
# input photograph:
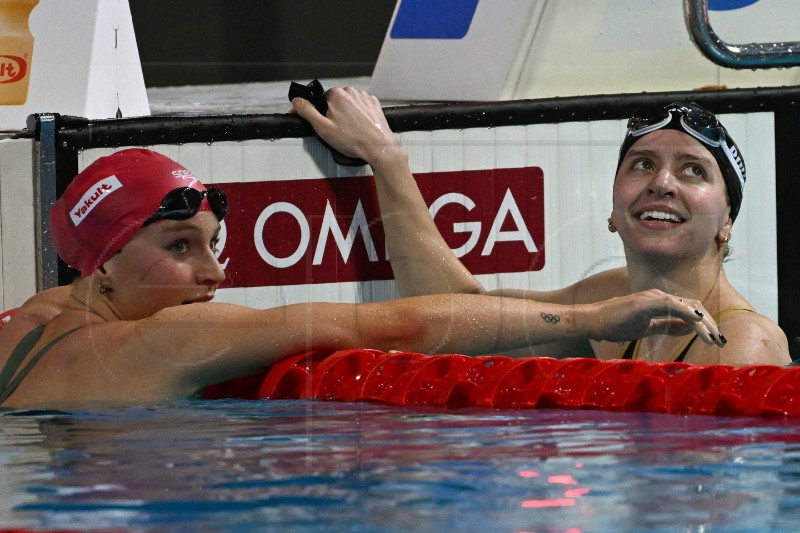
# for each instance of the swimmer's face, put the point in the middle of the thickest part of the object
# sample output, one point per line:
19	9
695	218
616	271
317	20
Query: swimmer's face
167	263
670	197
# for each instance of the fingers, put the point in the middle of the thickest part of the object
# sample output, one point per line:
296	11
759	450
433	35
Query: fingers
695	315
306	110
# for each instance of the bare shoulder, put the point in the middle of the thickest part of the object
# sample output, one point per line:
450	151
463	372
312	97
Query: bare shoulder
44	305
37	310
753	339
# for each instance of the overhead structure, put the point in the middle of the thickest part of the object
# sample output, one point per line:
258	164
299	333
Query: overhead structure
752	55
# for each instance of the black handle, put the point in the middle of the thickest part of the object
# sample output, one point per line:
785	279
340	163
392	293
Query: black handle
314	93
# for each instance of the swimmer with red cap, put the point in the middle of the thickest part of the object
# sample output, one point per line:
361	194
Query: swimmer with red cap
139	325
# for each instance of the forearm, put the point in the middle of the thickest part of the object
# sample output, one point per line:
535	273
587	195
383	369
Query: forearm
466	323
422	261
471	324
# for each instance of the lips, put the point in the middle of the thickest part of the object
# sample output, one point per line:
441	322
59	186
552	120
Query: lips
658	215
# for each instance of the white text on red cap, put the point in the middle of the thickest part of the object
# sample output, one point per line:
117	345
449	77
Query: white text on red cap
93	197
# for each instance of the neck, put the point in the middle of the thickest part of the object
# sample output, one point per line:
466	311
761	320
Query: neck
691	279
86	292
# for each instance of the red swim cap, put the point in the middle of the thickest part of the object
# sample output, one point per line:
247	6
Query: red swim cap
106	204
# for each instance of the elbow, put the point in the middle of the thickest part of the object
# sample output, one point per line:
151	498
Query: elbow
402	326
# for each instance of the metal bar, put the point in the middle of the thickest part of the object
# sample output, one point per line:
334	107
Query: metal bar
44	165
739	56
77	134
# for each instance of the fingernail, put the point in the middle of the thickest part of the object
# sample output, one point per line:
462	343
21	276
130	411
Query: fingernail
723	339
713	338
699	313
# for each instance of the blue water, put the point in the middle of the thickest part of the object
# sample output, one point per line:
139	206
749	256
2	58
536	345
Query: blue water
297	466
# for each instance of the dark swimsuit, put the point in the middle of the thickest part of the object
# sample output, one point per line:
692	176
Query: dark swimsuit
632	351
8	380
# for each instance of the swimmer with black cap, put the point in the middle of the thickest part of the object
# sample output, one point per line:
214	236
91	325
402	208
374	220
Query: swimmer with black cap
139	325
677	192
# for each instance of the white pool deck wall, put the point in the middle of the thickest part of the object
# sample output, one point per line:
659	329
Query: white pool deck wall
578	160
18	234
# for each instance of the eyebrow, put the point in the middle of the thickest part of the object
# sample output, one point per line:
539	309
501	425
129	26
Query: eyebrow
682	156
188	226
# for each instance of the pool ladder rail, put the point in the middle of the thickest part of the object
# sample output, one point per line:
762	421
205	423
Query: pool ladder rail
739	56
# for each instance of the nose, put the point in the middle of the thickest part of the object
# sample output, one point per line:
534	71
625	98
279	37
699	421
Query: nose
210	271
663	182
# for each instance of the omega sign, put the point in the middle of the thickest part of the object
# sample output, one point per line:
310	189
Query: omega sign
329	230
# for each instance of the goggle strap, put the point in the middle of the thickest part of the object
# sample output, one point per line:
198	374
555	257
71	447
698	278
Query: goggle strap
734	163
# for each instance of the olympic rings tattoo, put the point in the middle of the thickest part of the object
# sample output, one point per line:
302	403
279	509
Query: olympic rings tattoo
550	318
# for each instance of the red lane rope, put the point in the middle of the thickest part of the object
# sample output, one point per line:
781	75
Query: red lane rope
413	379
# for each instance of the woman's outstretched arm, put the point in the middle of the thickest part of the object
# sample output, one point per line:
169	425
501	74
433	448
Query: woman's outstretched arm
421	259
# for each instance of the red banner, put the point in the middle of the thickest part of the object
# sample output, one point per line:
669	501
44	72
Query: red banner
329	230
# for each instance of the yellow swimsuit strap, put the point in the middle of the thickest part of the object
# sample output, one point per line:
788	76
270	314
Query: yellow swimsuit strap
717	317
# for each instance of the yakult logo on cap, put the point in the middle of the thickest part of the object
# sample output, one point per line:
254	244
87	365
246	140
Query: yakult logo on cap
93	196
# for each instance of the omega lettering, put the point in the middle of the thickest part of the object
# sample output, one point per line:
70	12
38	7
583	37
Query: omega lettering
508	209
313	231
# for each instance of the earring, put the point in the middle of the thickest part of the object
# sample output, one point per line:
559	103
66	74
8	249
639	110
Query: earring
611	227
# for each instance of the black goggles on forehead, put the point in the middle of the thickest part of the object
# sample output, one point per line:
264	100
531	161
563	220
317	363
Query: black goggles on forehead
184	202
698	123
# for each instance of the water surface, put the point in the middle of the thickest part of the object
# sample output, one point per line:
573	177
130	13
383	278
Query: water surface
301	466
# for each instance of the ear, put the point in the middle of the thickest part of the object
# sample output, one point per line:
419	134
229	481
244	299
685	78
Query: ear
724	234
101	273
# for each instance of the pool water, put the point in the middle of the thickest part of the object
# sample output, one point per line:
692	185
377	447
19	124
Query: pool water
304	466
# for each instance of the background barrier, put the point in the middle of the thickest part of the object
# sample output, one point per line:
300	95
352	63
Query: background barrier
331	247
502	157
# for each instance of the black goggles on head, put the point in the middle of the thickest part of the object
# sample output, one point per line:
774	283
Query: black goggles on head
697	122
184	202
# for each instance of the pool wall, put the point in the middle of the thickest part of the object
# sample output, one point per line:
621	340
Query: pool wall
521	188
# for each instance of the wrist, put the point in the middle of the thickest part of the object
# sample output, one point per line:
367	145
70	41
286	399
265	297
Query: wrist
586	322
387	157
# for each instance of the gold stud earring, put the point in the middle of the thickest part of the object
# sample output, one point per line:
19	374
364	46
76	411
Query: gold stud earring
611	227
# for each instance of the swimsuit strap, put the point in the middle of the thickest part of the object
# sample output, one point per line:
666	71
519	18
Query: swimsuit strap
632	351
633	348
729	311
18	355
682	354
